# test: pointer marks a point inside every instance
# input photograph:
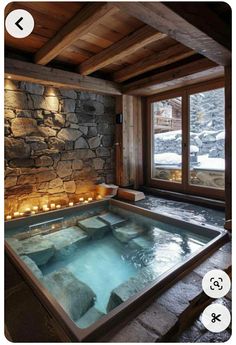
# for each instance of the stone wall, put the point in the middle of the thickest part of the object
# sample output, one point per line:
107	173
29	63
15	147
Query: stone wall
58	144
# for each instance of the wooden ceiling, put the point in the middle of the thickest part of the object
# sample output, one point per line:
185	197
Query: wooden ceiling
120	43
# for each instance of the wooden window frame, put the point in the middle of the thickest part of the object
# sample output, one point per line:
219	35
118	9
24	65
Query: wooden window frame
184	186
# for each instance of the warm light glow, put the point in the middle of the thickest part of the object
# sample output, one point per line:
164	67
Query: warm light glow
21	214
90	199
9	76
81	199
35	208
52	206
99	197
85	201
58	206
71	204
46	209
33	212
16	214
8	217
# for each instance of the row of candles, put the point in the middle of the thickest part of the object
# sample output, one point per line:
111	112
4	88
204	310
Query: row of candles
45	208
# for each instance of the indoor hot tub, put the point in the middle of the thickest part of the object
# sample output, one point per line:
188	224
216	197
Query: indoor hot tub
92	265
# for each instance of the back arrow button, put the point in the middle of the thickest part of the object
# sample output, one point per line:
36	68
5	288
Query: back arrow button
17	23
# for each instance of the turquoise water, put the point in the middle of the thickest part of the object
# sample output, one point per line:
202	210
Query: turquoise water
91	266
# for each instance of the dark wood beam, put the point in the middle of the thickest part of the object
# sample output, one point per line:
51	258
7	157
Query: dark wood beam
120	49
162	58
183	29
25	71
86	19
199	70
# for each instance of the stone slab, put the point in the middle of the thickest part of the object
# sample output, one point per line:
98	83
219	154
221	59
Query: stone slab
128	232
129	288
64	239
37	248
94	227
74	296
134	332
141	242
32	266
158	318
91	316
112	219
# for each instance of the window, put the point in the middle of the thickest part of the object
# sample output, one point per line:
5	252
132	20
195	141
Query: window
187	130
207	136
167	139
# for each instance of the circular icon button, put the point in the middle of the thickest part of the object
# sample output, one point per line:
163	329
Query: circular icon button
216	318
216	283
19	23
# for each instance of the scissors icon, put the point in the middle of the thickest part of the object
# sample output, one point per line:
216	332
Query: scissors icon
215	317
216	283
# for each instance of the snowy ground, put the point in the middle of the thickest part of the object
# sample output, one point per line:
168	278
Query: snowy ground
204	162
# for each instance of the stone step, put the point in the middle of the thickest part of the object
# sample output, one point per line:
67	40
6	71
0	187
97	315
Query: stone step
112	219
175	309
94	227
91	316
128	232
67	239
40	250
74	296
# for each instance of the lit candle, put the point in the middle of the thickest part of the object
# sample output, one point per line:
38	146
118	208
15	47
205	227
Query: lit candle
35	208
46	209
71	204
33	212
58	206
81	199
8	217
53	206
27	211
90	199
21	214
99	197
16	214
85	201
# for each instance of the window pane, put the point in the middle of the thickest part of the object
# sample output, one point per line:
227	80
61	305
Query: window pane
167	140
207	139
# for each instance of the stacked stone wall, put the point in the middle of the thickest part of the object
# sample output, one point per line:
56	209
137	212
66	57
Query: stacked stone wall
58	144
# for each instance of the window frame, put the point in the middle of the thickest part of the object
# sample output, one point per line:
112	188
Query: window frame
184	186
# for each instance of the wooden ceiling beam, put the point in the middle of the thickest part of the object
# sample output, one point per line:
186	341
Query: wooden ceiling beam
183	29
160	59
86	19
126	46
25	71
171	75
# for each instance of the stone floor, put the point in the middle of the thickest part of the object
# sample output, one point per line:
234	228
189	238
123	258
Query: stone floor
174	316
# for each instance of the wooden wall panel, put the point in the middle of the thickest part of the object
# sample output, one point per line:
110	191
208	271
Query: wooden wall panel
129	142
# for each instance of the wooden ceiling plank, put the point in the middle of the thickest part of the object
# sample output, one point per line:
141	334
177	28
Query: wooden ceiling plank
163	58
89	16
164	19
189	80
25	71
169	75
126	46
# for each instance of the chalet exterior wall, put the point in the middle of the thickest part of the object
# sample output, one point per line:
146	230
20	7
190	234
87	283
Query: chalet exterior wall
58	143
